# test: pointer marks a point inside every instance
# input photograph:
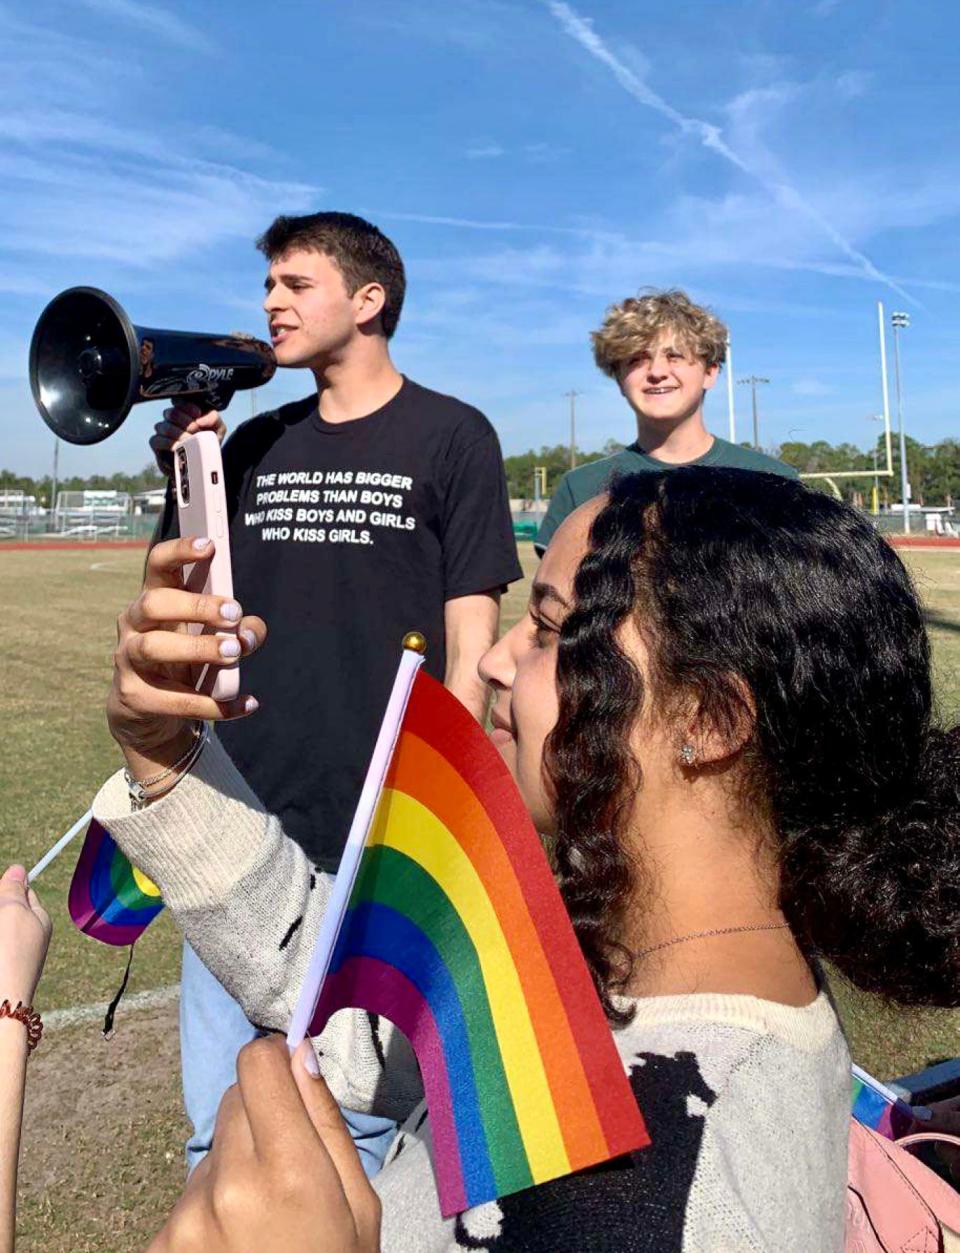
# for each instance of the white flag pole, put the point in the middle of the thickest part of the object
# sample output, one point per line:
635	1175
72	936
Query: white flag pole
880	1088
410	663
53	853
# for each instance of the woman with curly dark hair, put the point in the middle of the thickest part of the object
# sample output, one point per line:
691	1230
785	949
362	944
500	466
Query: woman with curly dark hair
718	711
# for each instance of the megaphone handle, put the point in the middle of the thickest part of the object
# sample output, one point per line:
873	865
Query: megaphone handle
220	396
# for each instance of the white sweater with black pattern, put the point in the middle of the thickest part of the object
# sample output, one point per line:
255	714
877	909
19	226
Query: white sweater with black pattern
747	1101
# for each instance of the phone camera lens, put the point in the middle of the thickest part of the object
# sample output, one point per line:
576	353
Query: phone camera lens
184	476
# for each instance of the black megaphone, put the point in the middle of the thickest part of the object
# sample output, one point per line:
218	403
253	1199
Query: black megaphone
89	365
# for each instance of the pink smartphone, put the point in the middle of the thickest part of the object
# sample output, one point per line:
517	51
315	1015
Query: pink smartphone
202	510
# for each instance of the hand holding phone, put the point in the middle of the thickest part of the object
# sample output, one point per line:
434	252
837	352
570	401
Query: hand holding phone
202	510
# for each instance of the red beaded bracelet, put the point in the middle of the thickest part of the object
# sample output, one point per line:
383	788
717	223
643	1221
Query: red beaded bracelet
30	1019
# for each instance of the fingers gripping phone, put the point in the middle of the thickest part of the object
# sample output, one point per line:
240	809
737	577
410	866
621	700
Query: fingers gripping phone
202	510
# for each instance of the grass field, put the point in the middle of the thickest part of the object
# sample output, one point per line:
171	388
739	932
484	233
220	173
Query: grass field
103	1141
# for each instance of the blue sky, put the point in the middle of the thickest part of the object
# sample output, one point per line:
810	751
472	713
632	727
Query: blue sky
789	164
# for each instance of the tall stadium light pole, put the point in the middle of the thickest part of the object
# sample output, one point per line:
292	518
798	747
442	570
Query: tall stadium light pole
731	416
753	381
900	322
572	397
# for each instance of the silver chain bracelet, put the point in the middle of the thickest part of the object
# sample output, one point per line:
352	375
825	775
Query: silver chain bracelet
137	788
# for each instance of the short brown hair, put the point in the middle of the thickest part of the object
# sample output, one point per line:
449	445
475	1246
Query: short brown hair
631	326
361	252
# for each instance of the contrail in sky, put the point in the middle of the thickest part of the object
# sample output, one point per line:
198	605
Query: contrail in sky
581	29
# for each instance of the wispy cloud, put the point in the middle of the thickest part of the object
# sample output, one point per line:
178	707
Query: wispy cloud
537	153
472	224
471	26
711	137
853	83
138	196
811	387
485	152
152	20
497	224
529	320
135	216
607	269
48	67
699	237
207	147
541	153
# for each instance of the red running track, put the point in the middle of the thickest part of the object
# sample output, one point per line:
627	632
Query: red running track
924	541
898	541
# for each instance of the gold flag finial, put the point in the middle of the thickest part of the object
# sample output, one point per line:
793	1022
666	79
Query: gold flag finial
415	641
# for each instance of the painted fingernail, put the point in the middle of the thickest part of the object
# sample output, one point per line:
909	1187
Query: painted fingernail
230	648
248	638
251	705
309	1059
231	611
200	544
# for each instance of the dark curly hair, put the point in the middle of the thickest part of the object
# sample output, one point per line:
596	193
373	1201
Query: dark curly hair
748	586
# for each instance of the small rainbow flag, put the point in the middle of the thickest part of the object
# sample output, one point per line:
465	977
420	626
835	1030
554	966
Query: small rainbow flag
455	931
878	1107
109	898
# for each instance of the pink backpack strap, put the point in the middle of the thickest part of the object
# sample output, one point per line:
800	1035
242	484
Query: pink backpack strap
943	1199
895	1204
904	1142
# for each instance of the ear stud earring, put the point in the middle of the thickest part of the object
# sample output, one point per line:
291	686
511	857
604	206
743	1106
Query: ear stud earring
688	754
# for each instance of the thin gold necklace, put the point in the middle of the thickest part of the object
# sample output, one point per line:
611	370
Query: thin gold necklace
702	935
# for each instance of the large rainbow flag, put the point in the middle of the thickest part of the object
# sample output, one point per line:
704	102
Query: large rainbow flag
455	931
109	898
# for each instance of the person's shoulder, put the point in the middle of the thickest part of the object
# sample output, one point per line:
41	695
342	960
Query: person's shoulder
592	477
719	1078
463	421
264	428
639	1201
751	459
290	414
729	1045
576	487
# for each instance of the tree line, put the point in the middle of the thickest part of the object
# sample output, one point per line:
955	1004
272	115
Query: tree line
933	469
148	479
556	461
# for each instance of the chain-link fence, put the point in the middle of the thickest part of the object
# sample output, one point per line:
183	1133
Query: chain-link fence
25	526
936	523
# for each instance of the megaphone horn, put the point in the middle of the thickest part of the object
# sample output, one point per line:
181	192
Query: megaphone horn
89	365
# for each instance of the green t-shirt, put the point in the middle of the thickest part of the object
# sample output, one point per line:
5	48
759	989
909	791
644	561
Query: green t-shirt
582	484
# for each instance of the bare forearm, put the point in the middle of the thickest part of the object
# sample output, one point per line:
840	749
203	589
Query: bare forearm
13	1071
468	689
471	629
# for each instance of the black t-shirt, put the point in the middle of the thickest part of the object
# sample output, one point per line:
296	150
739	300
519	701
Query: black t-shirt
344	537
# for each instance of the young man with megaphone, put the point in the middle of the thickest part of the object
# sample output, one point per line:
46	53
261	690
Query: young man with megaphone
369	508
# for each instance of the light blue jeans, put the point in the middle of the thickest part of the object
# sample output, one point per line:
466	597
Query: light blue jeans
213	1030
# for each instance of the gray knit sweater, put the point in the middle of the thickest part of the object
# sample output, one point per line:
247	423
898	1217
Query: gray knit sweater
747	1101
